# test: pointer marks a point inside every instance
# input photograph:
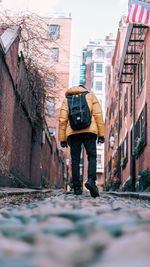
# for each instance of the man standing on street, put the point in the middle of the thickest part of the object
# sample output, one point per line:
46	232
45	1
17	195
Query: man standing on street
86	136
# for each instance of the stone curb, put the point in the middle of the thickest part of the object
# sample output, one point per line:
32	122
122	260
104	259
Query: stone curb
21	191
143	196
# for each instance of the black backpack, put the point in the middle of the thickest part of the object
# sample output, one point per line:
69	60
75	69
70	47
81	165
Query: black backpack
79	112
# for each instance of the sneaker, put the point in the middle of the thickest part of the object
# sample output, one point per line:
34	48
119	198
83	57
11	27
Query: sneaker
77	191
91	186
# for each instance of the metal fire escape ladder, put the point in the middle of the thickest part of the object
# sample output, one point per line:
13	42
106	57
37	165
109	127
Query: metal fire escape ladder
131	52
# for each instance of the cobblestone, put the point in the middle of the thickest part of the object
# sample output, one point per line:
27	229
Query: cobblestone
64	230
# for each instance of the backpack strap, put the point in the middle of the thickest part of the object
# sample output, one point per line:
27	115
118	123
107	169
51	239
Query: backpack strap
72	103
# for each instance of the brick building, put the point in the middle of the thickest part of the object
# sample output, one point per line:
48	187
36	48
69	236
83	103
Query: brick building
95	61
27	151
59	40
127	147
58	36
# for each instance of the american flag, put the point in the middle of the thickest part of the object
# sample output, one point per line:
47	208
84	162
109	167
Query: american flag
139	12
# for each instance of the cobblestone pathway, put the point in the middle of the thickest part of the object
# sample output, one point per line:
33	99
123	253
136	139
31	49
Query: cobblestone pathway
64	230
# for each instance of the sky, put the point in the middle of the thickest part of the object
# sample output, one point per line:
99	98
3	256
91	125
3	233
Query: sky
90	18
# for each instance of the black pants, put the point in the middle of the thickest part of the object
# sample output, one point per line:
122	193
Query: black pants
89	142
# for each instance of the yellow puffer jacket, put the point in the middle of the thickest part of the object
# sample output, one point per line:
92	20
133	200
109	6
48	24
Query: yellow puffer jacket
97	123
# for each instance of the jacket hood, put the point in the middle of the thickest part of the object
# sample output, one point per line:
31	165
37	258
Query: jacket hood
75	90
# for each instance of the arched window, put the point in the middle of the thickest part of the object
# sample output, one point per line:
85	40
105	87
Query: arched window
99	53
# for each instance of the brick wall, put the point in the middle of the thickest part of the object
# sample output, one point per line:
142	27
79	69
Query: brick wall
142	97
7	99
57	166
21	144
24	159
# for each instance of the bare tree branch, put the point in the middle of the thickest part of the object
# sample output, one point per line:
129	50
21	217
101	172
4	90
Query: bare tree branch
35	45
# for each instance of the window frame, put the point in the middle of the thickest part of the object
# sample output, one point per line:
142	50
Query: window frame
126	103
101	86
141	124
141	71
51	81
141	131
120	119
99	66
52	131
99	53
99	159
124	151
54	33
50	105
55	55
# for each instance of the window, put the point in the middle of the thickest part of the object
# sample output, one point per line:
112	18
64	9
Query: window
88	53
109	54
99	68
99	159
124	152
82	74
50	108
54	31
110	110
141	133
98	85
121	89
131	99
52	131
51	81
126	102
55	53
116	125
99	53
141	72
131	141
110	166
141	127
120	119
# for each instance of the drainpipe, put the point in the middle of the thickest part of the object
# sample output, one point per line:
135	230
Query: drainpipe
133	159
118	141
118	115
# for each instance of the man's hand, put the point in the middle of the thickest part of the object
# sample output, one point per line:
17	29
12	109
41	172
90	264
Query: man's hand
63	144
101	140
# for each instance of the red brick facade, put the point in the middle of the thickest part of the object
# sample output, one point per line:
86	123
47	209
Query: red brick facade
128	107
26	149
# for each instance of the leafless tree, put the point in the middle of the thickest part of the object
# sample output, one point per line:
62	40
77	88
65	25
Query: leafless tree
35	45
